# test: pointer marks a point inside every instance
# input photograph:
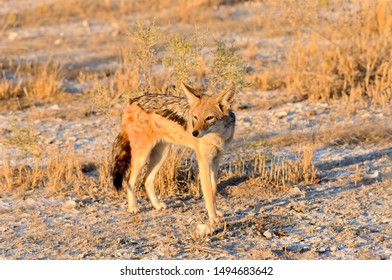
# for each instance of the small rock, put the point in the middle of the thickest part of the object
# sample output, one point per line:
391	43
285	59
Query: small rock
267	234
281	114
322	250
250	69
333	249
13	36
54	107
3	229
247	120
70	204
87	26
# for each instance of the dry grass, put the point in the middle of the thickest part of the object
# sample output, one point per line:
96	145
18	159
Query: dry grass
178	174
62	173
33	81
66	171
58	171
348	55
336	50
273	174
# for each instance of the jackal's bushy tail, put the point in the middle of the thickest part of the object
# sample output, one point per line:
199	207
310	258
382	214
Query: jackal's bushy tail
121	160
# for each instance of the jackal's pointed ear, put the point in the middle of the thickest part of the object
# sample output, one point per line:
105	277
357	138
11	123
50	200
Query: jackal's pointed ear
192	94
225	99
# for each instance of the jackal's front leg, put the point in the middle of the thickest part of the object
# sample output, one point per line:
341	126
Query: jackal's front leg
208	186
214	178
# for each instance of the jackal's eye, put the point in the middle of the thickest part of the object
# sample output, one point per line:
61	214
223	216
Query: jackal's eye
195	117
209	118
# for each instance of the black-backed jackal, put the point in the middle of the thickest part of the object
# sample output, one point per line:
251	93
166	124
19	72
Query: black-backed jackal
151	122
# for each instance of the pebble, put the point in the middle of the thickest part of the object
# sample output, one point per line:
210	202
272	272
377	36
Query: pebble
333	249
70	204
322	250
54	107
281	114
13	36
267	234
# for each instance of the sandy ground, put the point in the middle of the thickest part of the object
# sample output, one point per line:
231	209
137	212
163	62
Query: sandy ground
346	215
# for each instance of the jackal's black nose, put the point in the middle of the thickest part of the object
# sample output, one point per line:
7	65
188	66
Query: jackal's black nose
195	133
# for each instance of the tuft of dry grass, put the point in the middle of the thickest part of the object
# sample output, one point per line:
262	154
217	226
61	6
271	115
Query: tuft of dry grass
32	80
276	174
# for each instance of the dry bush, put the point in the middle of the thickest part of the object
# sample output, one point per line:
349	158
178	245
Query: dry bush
10	87
145	38
228	67
347	53
179	174
182	58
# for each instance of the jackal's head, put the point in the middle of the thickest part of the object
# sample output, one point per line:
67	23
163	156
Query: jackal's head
207	111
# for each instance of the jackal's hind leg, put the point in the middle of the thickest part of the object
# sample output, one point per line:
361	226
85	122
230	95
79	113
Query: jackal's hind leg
138	160
157	157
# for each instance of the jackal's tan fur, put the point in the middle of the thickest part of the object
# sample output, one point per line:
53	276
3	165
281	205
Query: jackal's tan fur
151	122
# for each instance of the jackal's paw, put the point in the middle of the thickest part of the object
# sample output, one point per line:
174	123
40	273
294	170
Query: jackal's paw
133	209
214	221
160	206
